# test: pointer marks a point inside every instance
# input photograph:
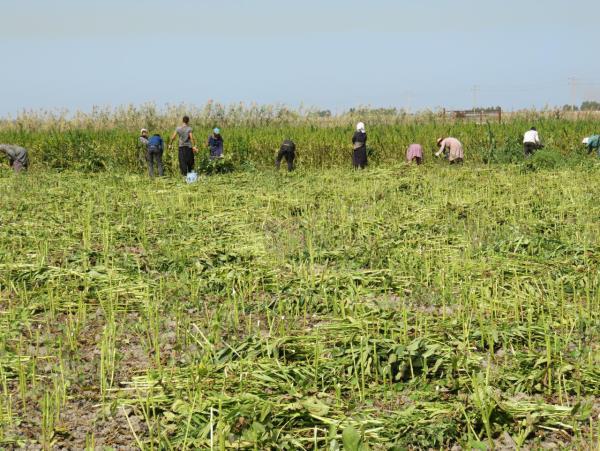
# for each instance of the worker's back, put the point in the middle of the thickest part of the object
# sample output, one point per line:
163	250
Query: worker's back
288	146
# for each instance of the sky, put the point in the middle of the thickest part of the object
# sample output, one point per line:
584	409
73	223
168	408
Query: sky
327	54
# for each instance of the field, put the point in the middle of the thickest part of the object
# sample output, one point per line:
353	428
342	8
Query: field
396	308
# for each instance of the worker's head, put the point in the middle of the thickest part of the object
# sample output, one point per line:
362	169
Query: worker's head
216	131
439	141
533	129
144	132
585	141
186	120
360	127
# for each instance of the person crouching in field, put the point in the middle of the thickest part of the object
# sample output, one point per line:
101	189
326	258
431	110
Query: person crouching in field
187	146
531	142
592	143
17	156
452	149
154	153
215	144
359	142
287	151
414	153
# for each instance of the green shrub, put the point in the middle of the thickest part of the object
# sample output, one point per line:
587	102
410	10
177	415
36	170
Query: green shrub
216	166
544	159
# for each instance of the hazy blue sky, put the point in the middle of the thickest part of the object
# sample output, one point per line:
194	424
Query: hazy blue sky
330	53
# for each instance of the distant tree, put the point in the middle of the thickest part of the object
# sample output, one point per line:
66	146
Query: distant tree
319	114
489	109
385	111
374	111
590	105
570	108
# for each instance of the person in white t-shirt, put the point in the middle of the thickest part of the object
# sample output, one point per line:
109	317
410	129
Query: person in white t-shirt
531	142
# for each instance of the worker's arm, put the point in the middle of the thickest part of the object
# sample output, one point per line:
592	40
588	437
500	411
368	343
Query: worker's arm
193	141
442	147
173	136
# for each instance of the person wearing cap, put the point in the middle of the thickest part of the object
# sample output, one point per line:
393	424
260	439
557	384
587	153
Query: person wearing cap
414	153
287	151
17	156
531	142
359	143
592	143
215	144
452	148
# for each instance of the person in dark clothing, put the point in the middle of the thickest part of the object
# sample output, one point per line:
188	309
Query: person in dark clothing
154	153
359	142
287	151
17	156
215	144
187	146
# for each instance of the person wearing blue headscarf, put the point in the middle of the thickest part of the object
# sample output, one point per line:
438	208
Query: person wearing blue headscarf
215	144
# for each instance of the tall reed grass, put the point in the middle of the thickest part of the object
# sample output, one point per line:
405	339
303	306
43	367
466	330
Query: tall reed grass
106	139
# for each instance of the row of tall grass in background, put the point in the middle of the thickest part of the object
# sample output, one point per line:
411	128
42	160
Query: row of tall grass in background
106	139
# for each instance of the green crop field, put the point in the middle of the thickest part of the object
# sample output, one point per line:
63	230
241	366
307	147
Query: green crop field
400	307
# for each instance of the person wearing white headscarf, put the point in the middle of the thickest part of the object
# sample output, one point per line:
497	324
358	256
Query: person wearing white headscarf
359	142
592	143
215	144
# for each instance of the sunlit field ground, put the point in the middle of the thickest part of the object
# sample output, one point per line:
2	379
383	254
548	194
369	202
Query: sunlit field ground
401	306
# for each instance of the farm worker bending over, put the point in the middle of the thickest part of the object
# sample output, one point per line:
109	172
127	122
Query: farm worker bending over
143	139
414	153
143	145
287	151
215	144
359	142
17	156
187	146
154	152
592	143
452	148
531	142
